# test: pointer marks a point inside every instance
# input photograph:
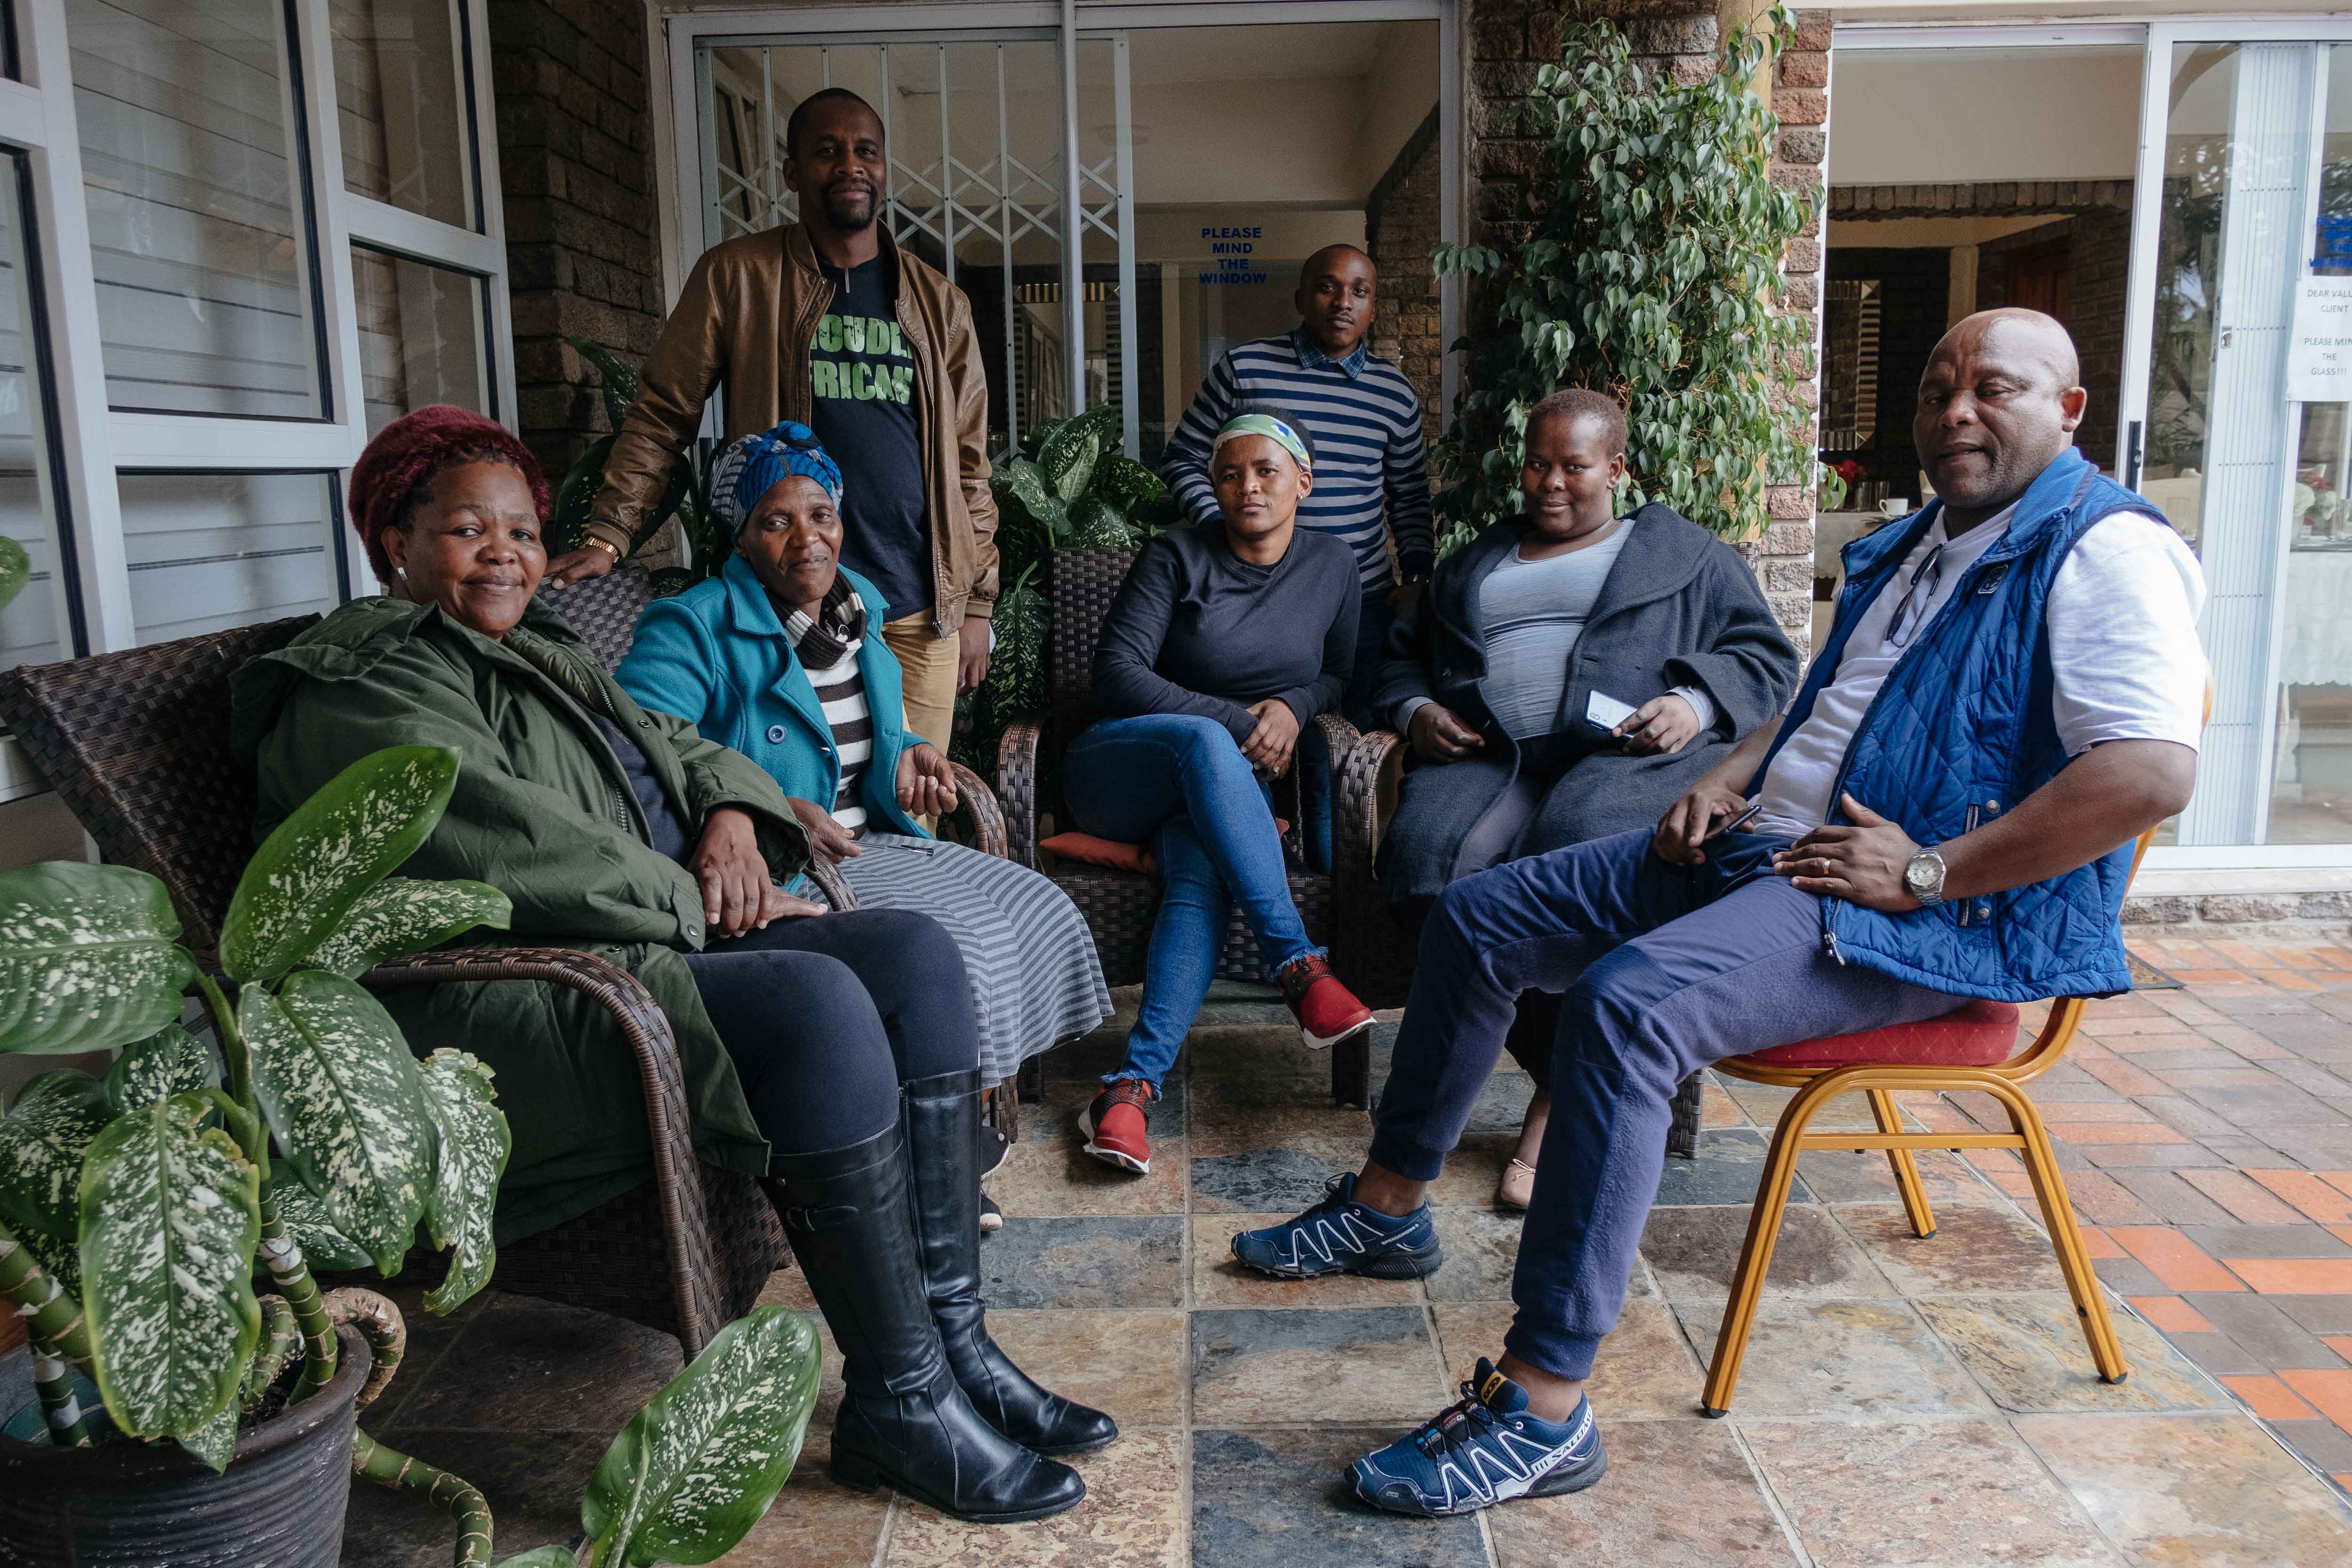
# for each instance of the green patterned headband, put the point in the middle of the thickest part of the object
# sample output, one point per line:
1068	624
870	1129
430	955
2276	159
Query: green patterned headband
1272	429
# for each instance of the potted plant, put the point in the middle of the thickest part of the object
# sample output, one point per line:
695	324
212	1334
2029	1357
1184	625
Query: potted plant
180	1414
687	497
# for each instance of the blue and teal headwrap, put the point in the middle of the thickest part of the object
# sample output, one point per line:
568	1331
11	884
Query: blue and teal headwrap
749	468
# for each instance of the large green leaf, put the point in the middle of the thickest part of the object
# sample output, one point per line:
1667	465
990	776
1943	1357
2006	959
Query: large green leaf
619	378
323	858
87	957
694	1470
575	498
1029	486
347	1103
168	1062
42	1141
170	1213
304	1214
1068	458
1094	521
408	914
214	1442
1125	483
15	569
472	1145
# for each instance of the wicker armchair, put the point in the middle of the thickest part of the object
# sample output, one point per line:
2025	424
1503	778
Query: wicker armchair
1120	905
1371	951
136	744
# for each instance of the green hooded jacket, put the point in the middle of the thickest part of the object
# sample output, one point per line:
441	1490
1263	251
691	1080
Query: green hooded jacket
543	813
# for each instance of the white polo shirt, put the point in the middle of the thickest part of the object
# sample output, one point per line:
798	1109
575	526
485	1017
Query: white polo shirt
2122	615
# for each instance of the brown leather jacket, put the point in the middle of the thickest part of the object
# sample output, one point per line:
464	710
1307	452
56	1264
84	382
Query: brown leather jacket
747	316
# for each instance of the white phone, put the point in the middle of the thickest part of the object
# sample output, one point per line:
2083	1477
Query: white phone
1605	711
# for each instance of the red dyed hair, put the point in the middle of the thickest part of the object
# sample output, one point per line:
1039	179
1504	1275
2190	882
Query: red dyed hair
397	468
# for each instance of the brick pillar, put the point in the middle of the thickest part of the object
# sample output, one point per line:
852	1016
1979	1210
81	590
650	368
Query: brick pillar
575	165
1508	39
1400	223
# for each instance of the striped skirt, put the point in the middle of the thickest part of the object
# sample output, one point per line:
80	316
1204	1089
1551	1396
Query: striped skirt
1035	981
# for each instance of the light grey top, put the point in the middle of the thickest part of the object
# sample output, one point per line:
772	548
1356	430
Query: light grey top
1534	612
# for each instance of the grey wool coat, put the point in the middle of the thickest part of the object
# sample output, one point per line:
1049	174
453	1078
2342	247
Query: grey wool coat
1680	607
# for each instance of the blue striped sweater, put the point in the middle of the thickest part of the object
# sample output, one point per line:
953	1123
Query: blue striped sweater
1366	423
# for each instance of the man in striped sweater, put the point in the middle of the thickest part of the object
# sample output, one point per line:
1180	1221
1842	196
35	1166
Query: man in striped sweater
1372	477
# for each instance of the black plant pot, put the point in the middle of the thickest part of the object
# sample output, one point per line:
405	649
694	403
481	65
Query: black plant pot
280	1504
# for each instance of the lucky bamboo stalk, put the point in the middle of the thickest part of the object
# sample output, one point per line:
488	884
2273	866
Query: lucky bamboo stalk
52	1316
459	1498
60	1407
283	1257
282	1341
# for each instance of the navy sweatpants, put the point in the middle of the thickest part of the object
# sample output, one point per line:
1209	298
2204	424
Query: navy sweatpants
1661	970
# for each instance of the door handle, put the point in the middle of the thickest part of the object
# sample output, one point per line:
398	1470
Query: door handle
2132	456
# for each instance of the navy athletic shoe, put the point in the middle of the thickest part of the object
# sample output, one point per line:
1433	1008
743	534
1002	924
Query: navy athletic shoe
1340	1236
1483	1450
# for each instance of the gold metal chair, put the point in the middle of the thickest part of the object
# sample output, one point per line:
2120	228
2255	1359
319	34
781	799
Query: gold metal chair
1968	1049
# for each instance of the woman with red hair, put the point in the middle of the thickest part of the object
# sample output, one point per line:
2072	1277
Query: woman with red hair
813	1044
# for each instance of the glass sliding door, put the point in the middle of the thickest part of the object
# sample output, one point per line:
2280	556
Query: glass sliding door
2249	155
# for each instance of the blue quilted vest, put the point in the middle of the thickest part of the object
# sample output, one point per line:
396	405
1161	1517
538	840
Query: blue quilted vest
1962	732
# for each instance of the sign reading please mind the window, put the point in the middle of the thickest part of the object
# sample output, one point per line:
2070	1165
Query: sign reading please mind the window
2319	355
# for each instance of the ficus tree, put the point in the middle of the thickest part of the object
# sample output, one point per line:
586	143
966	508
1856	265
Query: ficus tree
1652	273
137	1208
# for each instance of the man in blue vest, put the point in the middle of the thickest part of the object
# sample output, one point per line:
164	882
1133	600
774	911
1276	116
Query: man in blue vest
2010	693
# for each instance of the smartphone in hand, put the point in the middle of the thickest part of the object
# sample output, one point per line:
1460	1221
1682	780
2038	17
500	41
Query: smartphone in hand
1733	823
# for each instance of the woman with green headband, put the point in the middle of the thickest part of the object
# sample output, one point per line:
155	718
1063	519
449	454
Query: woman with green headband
1222	645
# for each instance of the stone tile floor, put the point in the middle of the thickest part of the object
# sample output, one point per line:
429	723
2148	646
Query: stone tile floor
1904	1402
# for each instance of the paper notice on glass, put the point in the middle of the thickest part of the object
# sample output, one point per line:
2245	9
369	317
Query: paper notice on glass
2319	356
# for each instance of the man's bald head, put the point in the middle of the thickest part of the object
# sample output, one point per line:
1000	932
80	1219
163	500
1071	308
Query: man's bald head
1999	402
2017	335
1337	287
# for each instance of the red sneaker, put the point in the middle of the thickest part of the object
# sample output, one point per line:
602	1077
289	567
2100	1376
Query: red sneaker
1327	1011
1113	1125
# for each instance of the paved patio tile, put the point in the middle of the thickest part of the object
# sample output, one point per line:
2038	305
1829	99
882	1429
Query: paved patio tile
1695	1251
1255	1366
1104	1262
1958	1494
1277	1499
1128	1364
2030	1353
2194	1489
1482	1247
1678	1494
1057	1178
1132	1517
1976	1246
1730	1164
532	1366
1839	1359
1646	1369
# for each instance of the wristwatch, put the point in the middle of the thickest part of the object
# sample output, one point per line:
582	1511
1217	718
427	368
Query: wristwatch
1923	876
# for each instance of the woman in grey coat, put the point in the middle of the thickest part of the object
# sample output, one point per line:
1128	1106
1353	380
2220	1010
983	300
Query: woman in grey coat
1566	677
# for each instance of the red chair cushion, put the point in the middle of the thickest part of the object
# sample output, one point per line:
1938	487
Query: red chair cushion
1978	1034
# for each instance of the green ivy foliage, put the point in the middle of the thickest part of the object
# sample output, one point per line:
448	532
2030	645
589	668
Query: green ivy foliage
1652	275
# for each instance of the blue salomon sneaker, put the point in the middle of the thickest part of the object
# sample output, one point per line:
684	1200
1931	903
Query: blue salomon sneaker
1340	1236
1483	1450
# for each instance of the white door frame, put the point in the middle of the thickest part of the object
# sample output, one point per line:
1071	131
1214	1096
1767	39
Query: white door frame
687	32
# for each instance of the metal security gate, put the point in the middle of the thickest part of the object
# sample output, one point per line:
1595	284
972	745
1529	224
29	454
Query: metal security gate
985	183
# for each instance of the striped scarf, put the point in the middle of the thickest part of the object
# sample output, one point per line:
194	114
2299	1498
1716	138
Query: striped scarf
827	646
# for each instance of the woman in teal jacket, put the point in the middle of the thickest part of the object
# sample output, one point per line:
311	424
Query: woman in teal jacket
779	658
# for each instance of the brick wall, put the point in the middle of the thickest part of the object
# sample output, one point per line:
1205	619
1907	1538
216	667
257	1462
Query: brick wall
1400	223
1508	39
575	165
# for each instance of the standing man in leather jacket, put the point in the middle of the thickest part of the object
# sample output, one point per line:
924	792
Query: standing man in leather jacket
829	322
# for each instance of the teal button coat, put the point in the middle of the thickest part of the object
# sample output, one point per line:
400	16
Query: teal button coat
716	656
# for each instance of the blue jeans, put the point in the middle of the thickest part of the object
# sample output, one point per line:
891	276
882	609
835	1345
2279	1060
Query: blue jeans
1180	784
1661	969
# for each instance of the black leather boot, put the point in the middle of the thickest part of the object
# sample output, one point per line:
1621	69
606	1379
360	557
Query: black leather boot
942	1117
903	1421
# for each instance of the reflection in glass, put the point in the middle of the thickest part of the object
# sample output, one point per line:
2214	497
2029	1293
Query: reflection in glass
400	100
33	626
212	551
193	180
420	336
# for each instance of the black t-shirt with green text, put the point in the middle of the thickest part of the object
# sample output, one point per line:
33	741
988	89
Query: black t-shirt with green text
863	375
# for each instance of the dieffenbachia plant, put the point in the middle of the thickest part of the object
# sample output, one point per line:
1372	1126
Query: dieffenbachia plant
136	1208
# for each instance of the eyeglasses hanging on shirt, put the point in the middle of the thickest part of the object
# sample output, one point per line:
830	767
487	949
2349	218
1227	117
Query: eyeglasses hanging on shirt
1913	611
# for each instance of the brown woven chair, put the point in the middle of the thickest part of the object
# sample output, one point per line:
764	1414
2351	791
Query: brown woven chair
1120	905
1372	951
136	744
